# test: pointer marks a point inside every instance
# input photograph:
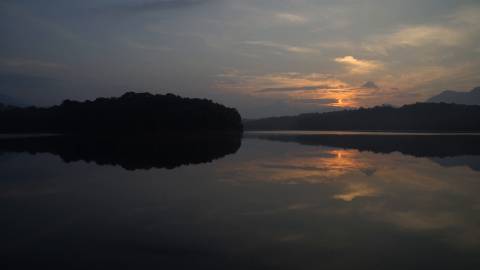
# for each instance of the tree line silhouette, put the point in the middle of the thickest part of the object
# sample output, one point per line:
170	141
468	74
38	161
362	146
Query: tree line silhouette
414	117
132	113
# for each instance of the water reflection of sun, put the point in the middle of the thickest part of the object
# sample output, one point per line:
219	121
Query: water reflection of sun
395	189
326	166
340	162
322	166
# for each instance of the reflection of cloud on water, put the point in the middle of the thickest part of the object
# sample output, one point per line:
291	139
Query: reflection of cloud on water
412	194
324	167
422	221
355	191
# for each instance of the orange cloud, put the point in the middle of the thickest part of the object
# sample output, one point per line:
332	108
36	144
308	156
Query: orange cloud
313	89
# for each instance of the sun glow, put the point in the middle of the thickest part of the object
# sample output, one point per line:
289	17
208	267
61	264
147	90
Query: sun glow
311	89
344	100
324	167
342	97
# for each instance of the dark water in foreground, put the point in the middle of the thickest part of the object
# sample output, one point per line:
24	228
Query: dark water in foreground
278	201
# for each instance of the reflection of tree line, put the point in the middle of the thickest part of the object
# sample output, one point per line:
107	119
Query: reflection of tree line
444	149
138	152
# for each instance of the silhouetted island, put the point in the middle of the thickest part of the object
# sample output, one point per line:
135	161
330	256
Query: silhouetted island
425	117
132	113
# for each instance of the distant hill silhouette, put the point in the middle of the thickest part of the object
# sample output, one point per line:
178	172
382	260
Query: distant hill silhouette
415	117
370	85
468	98
130	152
132	113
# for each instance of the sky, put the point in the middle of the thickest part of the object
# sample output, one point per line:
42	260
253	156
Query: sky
264	57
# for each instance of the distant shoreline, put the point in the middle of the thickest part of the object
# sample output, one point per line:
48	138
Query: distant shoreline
362	132
413	118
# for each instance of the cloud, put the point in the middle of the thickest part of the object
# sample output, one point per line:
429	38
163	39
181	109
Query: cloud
320	101
417	36
294	89
283	47
23	64
425	35
419	83
312	88
155	5
469	15
456	30
277	82
343	45
291	18
357	190
148	47
357	66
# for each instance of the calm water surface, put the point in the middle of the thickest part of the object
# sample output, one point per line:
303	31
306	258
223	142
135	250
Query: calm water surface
280	201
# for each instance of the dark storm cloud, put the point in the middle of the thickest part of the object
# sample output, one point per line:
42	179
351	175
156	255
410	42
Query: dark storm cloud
295	89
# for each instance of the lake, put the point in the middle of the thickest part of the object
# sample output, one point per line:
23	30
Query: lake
269	200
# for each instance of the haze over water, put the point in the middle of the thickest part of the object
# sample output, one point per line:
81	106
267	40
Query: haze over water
281	201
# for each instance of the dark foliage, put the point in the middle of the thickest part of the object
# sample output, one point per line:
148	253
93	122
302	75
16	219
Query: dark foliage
414	117
132	113
137	152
